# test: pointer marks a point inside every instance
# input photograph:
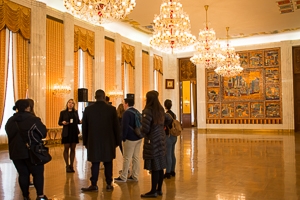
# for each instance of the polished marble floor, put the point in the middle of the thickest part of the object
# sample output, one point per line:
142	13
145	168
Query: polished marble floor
227	165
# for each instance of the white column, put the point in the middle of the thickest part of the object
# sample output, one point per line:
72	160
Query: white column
99	62
201	95
69	53
138	76
37	68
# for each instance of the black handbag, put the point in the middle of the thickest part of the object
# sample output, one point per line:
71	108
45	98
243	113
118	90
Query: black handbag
38	153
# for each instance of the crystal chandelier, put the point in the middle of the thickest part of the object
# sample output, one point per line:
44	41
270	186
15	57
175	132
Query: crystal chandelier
171	27
207	48
230	65
60	90
99	11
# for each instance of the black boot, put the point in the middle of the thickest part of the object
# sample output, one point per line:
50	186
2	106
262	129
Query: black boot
167	175
172	173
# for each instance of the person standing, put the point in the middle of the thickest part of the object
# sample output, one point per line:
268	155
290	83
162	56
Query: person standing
171	142
131	142
154	149
101	136
24	127
69	119
120	111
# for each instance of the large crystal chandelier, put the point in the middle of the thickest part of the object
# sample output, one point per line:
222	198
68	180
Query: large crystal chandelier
171	27
99	11
207	48
230	65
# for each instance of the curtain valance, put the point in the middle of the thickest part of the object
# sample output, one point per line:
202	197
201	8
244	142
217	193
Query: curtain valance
15	17
84	39
128	53
157	63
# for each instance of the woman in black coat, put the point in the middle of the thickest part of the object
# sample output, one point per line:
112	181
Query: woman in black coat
24	127
69	119
154	149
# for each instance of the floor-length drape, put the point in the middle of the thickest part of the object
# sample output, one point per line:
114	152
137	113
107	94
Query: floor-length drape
54	69
110	68
88	74
145	76
3	69
20	66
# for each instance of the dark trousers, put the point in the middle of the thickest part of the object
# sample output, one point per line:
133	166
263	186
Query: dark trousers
25	168
108	167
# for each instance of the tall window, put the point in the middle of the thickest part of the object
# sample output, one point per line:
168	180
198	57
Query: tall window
9	99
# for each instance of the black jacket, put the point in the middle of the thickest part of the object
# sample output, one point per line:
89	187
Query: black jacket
32	132
128	120
100	132
155	137
64	116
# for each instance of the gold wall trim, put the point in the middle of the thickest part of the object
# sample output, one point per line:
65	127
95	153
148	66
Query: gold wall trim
245	131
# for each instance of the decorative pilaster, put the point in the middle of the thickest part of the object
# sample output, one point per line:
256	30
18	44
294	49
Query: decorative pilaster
201	95
37	68
99	61
138	76
69	53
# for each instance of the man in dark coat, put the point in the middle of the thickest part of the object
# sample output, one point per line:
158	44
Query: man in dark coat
101	136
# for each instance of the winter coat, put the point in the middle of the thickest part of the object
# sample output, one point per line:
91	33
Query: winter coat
100	132
32	132
155	137
64	116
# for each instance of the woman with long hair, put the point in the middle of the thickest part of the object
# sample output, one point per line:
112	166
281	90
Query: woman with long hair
69	119
154	149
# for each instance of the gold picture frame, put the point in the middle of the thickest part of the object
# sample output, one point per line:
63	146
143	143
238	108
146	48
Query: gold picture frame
169	83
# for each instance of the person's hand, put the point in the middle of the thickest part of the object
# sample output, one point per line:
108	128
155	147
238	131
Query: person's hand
65	123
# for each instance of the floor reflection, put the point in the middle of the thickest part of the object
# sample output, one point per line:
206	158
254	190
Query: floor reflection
210	165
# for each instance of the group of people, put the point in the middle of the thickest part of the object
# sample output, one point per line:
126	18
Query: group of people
104	128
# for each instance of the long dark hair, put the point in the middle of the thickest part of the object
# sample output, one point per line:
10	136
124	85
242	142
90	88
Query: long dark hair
31	104
153	103
73	109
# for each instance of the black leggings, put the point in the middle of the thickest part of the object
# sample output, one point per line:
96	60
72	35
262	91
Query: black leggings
157	178
25	168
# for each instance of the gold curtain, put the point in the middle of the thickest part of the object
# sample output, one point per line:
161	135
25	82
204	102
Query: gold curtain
54	69
84	39
22	67
3	71
15	17
76	75
88	74
145	76
110	67
158	63
128	53
159	88
131	79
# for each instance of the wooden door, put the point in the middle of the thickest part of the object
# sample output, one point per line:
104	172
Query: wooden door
296	67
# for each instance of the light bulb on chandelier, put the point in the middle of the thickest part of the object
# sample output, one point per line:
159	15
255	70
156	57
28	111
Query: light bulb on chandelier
230	65
208	52
171	28
99	11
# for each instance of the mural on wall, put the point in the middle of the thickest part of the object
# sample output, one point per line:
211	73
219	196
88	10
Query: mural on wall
252	97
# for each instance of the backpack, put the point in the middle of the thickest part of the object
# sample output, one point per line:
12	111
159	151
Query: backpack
138	124
176	127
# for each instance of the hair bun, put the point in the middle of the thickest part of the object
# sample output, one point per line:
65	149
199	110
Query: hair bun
14	108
